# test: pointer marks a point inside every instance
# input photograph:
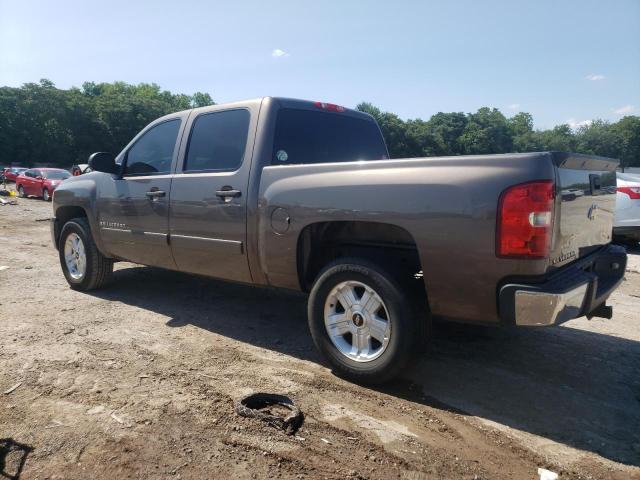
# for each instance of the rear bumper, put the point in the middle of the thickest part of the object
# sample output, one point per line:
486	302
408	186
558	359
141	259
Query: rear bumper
573	291
629	232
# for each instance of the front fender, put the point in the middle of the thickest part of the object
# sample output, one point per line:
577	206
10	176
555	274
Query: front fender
75	194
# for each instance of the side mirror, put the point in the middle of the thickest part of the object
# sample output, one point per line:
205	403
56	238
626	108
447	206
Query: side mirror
103	162
39	177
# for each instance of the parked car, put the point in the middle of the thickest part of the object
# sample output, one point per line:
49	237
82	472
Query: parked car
302	195
11	173
40	182
626	224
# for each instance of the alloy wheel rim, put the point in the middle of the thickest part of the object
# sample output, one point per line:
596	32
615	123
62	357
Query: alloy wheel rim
357	321
75	256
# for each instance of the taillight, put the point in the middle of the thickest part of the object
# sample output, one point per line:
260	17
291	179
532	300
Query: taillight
633	192
525	218
332	107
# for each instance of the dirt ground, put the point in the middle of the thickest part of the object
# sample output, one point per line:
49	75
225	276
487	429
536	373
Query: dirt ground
138	381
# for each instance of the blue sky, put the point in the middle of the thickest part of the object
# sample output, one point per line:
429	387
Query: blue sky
561	60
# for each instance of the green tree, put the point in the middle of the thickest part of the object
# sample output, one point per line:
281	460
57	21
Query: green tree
559	138
599	138
628	132
420	139
486	131
200	99
447	128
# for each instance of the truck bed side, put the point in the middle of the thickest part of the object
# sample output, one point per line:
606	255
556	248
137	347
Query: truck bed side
446	205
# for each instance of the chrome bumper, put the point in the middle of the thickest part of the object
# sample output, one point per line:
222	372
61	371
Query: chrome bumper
541	308
573	291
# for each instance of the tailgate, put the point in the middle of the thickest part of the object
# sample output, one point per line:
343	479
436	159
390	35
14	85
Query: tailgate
585	205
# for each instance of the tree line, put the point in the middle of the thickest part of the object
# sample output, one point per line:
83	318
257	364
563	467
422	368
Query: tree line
40	123
489	131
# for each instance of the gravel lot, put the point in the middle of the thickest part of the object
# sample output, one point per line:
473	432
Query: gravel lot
138	381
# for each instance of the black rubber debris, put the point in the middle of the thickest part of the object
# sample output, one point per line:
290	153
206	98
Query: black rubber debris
256	406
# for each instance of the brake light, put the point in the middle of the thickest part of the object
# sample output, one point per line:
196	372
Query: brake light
525	218
633	192
332	107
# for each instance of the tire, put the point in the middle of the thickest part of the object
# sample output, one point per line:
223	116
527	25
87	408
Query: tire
98	269
21	191
45	195
403	334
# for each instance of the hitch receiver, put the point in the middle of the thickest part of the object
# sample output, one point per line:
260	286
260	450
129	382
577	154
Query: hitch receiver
603	311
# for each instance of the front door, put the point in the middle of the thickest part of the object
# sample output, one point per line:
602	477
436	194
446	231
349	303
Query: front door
30	182
134	209
209	195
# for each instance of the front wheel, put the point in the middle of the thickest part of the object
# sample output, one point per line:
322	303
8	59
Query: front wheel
84	267
45	195
361	320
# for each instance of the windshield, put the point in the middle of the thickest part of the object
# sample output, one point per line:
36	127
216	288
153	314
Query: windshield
56	175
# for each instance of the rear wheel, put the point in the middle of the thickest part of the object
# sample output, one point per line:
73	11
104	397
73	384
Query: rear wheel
45	195
361	319
84	267
21	191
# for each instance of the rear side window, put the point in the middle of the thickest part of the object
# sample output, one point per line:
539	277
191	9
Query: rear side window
217	141
153	152
306	136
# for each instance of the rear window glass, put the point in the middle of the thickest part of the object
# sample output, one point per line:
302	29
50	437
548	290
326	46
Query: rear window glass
217	141
306	136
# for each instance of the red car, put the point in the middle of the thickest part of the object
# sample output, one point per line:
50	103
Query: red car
40	182
11	173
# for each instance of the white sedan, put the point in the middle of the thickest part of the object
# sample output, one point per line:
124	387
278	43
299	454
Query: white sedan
627	219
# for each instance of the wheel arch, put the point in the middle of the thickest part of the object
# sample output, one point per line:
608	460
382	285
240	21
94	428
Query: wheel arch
62	215
388	245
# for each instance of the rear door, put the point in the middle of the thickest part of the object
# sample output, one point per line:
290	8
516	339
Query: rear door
209	193
134	209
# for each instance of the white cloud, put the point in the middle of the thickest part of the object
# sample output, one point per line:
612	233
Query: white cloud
575	124
624	110
594	77
513	106
279	53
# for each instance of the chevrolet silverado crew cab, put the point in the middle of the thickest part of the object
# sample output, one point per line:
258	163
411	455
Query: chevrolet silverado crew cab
303	196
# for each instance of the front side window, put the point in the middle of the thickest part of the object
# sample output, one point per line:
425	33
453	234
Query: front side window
153	152
217	141
307	136
31	173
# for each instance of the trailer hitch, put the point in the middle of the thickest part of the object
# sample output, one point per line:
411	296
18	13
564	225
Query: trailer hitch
603	311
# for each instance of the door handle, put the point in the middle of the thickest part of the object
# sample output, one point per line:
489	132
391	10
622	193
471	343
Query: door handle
228	193
155	193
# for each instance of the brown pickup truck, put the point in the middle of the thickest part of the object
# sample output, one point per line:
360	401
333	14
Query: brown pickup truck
302	195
